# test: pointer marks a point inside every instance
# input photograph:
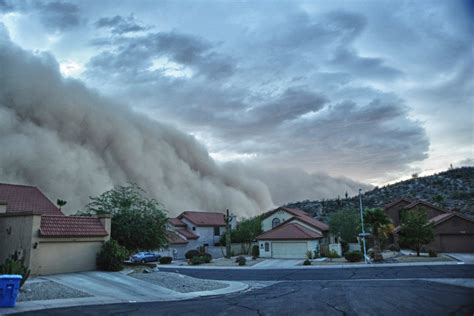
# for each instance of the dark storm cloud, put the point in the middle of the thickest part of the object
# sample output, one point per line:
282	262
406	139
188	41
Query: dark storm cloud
365	67
120	25
295	92
6	6
374	136
134	56
303	30
58	15
293	103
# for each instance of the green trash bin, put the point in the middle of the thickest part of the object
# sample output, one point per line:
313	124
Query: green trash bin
9	287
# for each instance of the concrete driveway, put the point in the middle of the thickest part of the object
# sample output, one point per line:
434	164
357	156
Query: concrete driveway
464	257
114	287
277	263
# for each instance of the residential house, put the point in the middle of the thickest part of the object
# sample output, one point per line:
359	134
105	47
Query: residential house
453	231
48	241
290	233
191	230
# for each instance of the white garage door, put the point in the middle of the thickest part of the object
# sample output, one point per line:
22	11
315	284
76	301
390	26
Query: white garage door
291	250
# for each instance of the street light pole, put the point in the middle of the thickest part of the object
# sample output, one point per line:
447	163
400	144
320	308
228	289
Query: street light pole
362	223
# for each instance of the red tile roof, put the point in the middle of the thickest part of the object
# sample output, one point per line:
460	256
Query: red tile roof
290	231
312	222
174	239
23	198
177	222
302	216
203	218
71	226
188	234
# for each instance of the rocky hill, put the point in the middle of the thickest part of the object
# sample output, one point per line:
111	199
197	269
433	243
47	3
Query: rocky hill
450	189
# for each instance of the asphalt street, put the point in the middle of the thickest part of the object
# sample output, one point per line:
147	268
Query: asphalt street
374	272
366	291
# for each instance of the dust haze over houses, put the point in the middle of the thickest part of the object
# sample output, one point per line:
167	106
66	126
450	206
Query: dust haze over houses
219	106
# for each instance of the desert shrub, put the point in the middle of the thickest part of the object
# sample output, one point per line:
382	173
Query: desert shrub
332	254
191	254
241	260
196	260
353	256
206	257
307	262
14	265
309	254
166	260
111	256
255	251
432	253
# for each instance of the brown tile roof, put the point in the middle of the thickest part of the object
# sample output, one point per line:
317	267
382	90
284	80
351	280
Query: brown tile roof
416	203
203	218
406	200
187	233
71	226
174	239
437	219
440	219
290	231
176	222
24	198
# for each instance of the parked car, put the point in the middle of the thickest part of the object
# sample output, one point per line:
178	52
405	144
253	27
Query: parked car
144	257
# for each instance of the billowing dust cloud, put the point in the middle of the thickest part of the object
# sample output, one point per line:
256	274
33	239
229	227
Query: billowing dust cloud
72	143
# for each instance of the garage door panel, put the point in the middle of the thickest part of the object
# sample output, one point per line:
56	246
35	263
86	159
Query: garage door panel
457	243
290	250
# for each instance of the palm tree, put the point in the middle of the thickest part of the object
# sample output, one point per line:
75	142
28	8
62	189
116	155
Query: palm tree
380	226
60	203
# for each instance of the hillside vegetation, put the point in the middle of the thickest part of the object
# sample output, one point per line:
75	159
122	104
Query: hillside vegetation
450	189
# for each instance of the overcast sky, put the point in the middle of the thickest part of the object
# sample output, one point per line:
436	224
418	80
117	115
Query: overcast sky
370	90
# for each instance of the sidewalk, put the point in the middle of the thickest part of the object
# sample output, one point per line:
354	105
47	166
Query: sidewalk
114	287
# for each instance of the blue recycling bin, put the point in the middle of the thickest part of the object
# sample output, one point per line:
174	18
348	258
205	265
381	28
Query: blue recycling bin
9	287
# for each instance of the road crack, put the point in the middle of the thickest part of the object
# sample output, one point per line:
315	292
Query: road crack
336	308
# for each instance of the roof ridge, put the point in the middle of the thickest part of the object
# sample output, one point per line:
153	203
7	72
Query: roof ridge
414	203
19	185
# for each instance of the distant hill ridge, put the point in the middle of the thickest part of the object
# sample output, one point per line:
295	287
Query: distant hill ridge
450	189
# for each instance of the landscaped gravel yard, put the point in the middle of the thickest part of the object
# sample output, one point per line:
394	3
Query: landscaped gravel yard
48	290
178	282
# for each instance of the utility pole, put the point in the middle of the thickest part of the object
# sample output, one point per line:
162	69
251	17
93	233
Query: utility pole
363	235
228	248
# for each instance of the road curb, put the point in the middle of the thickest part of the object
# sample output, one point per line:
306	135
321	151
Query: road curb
338	266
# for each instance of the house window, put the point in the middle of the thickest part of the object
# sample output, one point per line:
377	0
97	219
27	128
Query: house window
275	222
261	245
194	228
217	231
267	246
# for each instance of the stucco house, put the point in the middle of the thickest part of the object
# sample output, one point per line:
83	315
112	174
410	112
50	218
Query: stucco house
453	231
191	230
290	233
48	241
